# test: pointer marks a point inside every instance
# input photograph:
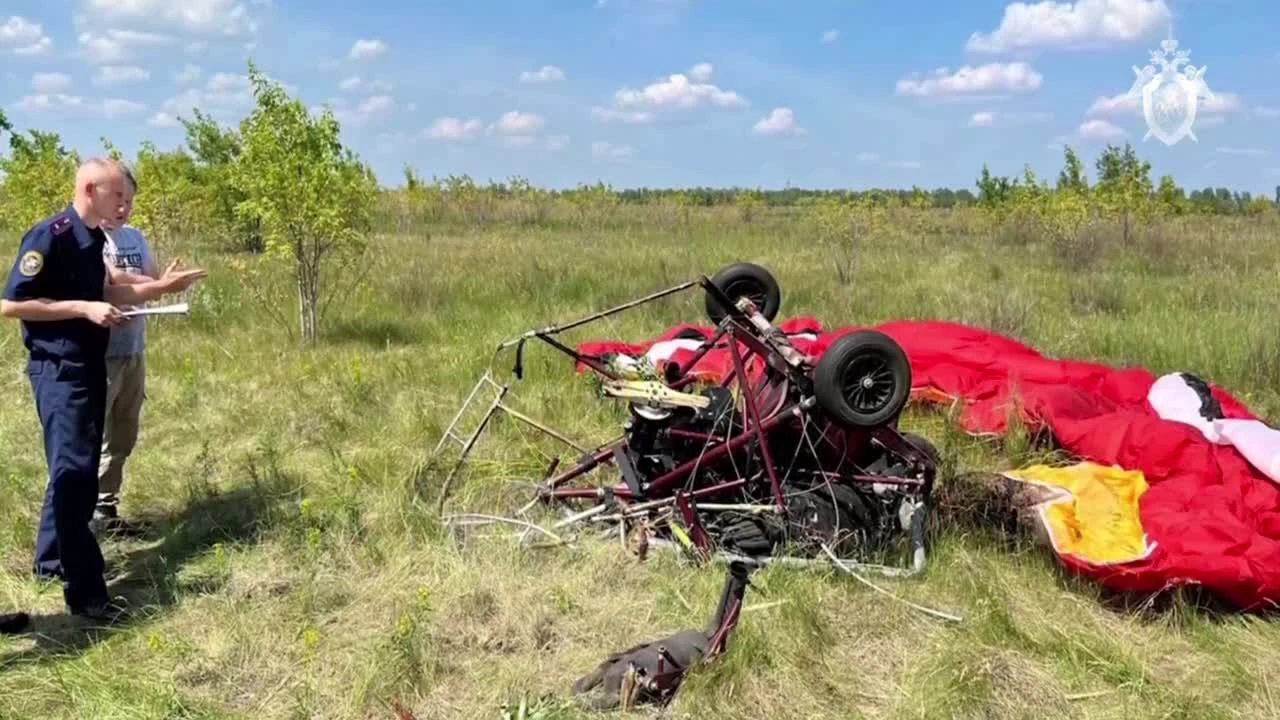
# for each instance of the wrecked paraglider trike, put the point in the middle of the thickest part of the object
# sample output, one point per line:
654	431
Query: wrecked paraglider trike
779	449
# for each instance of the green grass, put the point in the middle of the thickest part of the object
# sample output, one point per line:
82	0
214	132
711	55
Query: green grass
295	574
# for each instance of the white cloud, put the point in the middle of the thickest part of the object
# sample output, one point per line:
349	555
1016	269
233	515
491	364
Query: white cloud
1085	24
632	117
367	49
992	78
545	74
1099	130
62	102
188	75
163	120
1221	103
982	119
50	83
779	121
1115	105
989	118
830	37
24	37
101	49
368	108
518	129
1247	152
113	107
222	95
515	122
678	92
453	129
355	82
1126	106
225	82
120	75
114	46
214	18
701	73
602	150
49	101
557	142
376	104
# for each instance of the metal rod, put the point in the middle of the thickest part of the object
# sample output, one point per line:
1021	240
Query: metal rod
466	450
591	463
682	375
462	409
553	329
749	400
553	433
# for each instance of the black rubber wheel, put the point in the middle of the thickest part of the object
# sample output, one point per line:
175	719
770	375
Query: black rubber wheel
863	380
750	280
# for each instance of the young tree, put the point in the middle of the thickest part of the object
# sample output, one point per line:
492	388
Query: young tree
38	176
1072	176
1171	198
171	203
311	196
215	150
1124	183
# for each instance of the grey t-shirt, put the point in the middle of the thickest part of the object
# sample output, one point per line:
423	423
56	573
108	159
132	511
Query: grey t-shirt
127	250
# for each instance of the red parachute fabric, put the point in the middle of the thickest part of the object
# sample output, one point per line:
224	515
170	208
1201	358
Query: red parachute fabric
1212	517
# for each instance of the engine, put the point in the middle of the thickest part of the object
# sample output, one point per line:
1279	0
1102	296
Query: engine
659	439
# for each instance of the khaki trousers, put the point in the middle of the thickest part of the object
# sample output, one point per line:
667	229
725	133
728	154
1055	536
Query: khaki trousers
126	389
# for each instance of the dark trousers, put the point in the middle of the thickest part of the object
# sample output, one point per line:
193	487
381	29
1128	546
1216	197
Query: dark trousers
70	398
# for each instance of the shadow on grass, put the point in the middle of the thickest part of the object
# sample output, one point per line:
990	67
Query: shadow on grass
376	333
147	577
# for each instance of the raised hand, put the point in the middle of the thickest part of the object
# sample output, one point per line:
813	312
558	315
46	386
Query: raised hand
176	280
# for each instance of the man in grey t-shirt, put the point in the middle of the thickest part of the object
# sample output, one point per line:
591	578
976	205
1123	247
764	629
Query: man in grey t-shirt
127	250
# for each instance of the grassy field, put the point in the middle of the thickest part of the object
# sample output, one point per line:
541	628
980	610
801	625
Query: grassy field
294	573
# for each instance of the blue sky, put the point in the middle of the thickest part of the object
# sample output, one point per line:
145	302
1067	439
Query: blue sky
821	93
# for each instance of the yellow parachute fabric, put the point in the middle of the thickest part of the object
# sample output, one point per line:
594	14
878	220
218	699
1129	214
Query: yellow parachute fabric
1093	512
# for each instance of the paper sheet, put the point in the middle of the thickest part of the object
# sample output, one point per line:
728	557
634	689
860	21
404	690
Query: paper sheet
176	309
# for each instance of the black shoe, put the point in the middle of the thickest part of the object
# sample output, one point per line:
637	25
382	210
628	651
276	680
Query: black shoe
108	612
13	623
106	521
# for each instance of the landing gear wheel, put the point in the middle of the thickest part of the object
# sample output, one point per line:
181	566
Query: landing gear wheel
749	280
863	380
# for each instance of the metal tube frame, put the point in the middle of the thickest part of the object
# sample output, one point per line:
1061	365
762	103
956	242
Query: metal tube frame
743	329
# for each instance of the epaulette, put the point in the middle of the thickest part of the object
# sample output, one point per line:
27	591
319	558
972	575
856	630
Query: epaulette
60	225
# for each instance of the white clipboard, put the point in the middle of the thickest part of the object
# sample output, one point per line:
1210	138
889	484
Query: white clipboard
176	309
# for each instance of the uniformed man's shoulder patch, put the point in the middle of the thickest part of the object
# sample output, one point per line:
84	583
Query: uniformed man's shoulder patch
31	263
60	225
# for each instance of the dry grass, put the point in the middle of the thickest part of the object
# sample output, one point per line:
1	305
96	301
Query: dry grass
292	574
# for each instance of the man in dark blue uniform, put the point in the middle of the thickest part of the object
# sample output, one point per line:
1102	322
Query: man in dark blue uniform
62	291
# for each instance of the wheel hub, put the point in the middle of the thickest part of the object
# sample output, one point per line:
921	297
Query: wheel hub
869	383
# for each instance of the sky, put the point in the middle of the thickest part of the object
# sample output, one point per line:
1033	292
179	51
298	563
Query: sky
667	93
